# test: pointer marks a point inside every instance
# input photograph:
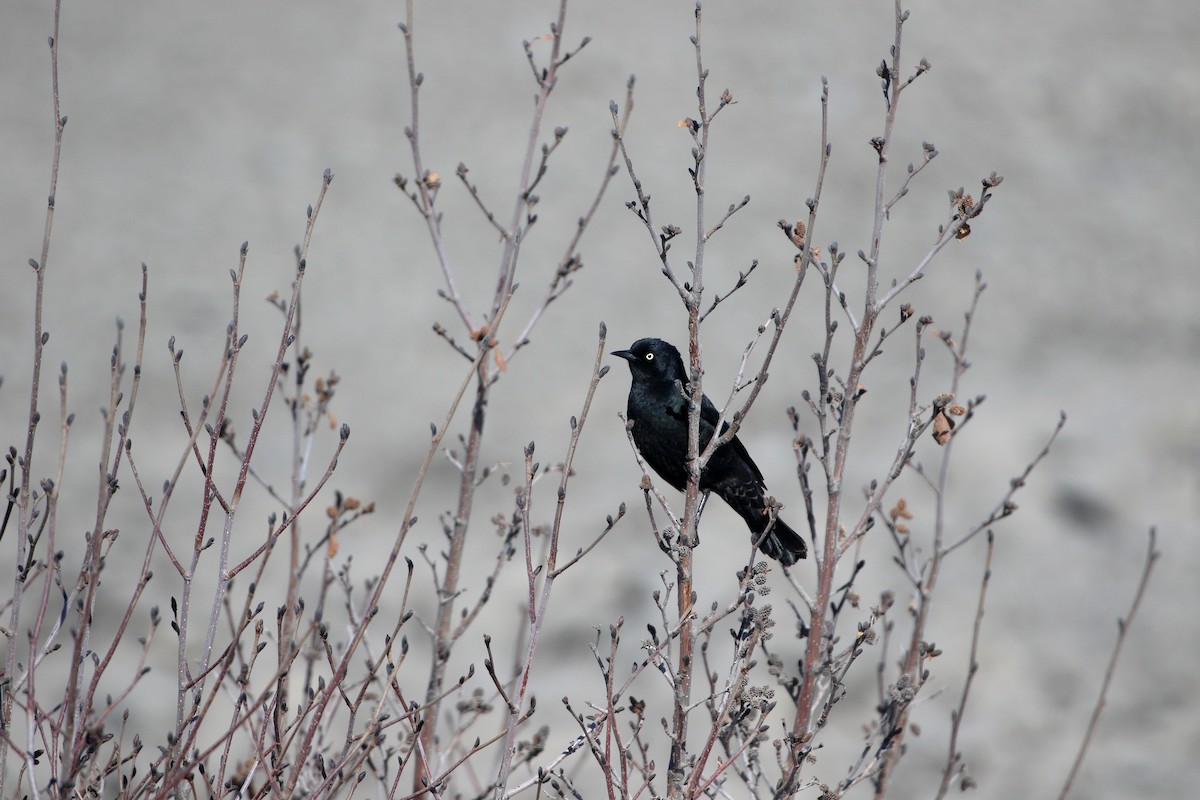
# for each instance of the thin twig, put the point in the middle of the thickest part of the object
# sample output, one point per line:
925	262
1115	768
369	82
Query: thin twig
1123	625
954	761
719	298
427	186
733	209
1005	506
570	261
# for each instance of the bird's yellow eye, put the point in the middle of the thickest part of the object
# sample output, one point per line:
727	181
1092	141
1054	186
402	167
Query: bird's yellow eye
649	356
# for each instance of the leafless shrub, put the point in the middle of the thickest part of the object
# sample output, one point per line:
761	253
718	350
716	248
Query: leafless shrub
289	708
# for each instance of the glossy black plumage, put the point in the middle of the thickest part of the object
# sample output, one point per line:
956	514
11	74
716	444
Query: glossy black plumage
658	410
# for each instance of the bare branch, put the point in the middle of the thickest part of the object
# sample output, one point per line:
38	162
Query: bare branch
733	209
954	761
741	281
1123	625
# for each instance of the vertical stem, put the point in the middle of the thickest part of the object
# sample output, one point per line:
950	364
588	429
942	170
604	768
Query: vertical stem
914	659
24	509
288	623
827	556
443	639
449	587
75	702
539	607
954	762
676	778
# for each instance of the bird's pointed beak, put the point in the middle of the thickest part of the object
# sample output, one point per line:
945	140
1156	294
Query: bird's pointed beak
625	354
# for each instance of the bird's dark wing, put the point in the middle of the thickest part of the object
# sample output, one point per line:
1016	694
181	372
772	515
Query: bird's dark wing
708	423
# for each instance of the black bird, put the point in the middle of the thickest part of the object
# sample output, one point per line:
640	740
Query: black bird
659	410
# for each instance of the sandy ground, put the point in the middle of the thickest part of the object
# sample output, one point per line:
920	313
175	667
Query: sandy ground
195	127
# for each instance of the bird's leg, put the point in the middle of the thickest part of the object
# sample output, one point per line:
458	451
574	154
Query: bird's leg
699	512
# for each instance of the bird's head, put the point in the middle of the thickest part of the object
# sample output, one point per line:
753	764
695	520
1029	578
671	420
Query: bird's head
654	359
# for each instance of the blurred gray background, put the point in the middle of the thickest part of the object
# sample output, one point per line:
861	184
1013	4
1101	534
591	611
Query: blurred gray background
193	127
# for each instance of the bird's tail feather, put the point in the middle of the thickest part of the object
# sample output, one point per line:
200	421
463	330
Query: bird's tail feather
775	538
781	543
